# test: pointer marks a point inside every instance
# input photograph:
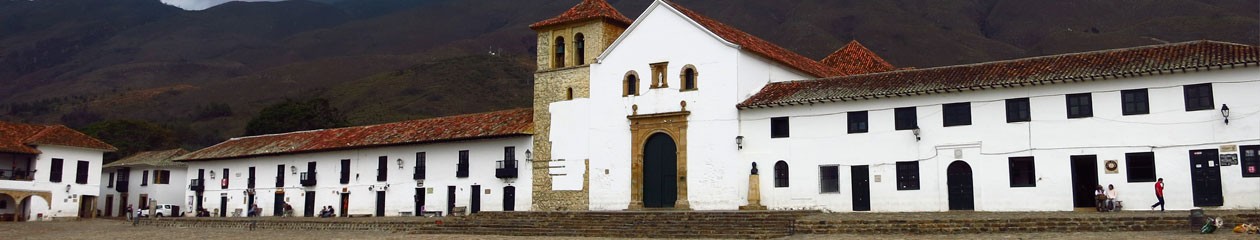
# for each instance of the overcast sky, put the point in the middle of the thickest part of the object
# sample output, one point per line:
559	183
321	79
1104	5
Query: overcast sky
203	4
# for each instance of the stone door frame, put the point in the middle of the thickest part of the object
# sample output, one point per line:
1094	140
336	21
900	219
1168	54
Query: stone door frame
673	124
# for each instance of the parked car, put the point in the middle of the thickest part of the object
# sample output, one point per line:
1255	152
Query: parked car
167	210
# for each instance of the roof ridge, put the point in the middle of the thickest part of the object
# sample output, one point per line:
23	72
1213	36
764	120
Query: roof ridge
587	9
756	44
1108	63
1035	58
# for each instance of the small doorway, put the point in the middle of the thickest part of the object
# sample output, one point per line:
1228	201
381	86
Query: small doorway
1205	178
509	198
1084	181
474	200
222	206
861	188
660	172
109	203
958	181
450	200
308	209
122	204
380	203
87	206
419	198
345	204
278	205
144	202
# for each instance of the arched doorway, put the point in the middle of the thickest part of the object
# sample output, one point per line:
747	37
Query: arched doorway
660	172
958	181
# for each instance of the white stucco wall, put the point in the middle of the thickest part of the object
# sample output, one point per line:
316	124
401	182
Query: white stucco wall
819	137
170	193
65	194
663	35
441	160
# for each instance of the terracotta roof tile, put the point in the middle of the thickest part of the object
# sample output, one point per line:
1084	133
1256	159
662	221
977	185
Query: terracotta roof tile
1116	63
760	46
854	58
505	123
586	10
19	138
152	158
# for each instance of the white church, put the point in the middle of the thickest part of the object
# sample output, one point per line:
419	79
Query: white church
673	110
677	108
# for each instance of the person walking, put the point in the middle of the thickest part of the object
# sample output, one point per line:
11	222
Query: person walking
1159	194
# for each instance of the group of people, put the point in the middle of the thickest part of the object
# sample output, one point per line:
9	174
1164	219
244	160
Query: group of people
327	212
1108	199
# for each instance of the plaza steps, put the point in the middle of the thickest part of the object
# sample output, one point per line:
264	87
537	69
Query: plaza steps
727	224
629	224
1099	222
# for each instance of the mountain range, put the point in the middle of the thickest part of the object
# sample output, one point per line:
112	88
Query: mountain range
77	62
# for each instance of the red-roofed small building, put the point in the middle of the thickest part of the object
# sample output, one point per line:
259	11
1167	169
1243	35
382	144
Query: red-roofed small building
438	165
48	171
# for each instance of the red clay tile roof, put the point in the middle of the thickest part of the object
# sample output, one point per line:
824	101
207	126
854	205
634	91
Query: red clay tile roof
462	127
19	138
760	46
586	10
854	58
151	158
1115	63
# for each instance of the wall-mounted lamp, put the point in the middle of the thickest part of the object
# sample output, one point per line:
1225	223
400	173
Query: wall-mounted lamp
1225	113
211	174
293	169
529	156
67	187
916	132
400	163
371	188
739	142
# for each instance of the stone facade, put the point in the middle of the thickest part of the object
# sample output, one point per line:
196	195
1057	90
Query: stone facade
561	84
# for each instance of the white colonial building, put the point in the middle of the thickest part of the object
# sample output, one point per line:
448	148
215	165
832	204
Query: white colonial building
48	171
143	179
468	162
676	108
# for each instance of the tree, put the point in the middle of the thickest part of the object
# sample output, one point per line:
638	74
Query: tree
131	136
296	115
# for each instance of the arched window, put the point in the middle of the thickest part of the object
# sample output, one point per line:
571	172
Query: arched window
579	44
630	84
558	60
570	95
780	174
688	76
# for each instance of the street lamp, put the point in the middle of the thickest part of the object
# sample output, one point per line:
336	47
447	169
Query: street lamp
529	156
739	142
1225	113
916	132
400	163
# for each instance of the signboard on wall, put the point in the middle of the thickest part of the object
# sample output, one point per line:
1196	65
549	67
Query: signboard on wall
1229	159
1112	166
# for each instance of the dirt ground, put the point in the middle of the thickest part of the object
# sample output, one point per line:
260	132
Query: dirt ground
115	229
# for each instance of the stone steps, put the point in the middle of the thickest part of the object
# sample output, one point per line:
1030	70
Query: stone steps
631	224
1030	224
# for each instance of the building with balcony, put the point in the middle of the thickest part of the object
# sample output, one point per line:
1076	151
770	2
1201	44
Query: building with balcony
392	169
141	180
48	171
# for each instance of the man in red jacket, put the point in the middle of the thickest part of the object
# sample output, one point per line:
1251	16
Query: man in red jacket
1159	194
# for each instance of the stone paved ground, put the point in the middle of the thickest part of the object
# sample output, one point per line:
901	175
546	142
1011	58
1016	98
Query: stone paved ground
115	229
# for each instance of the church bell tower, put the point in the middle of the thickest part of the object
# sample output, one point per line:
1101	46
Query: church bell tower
567	45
